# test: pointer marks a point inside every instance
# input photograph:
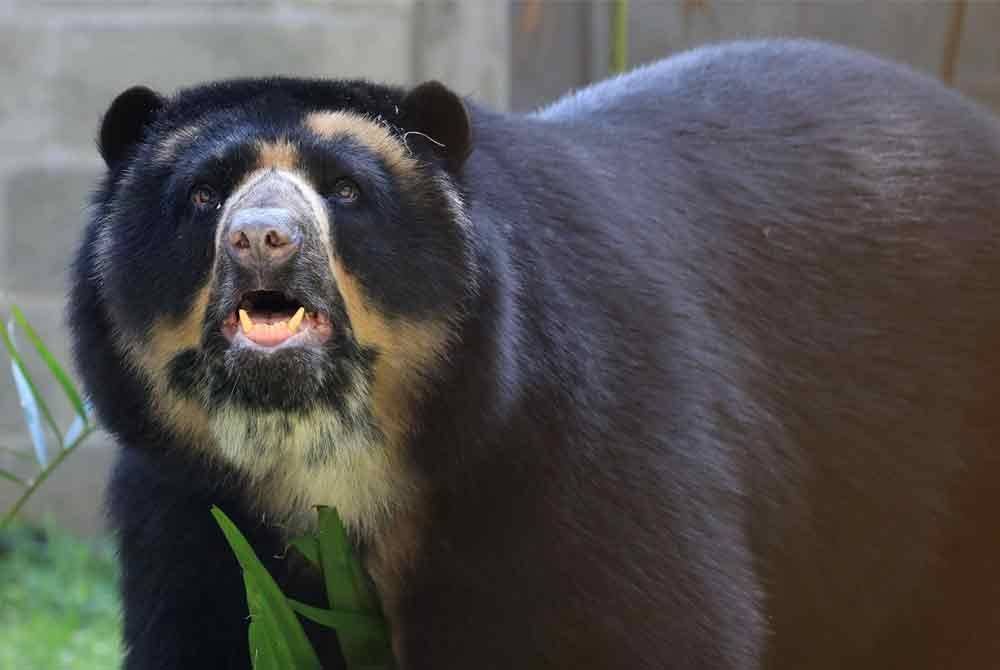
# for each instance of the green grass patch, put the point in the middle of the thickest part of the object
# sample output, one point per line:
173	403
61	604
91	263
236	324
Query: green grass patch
58	601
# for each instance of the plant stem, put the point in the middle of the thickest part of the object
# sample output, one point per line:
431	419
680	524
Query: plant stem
44	474
11	477
619	37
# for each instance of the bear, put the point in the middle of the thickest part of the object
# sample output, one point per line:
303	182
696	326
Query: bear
692	368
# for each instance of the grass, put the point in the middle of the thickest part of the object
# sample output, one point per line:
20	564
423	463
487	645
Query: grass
58	601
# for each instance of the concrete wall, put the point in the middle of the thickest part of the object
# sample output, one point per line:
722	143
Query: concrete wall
62	62
570	37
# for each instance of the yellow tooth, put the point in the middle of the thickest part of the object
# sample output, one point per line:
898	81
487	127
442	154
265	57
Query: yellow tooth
296	321
246	321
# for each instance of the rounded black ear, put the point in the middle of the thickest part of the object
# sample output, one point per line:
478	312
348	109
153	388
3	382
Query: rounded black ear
438	122
125	121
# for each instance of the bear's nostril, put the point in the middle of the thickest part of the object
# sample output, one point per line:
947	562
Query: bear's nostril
275	239
263	238
241	241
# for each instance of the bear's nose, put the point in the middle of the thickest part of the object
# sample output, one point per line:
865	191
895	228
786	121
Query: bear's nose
263	238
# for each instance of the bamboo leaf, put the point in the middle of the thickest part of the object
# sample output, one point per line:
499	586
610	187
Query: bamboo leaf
31	412
74	431
308	546
277	638
354	611
364	640
349	622
337	556
68	387
334	548
31	400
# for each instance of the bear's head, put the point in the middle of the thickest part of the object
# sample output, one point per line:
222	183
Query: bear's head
281	266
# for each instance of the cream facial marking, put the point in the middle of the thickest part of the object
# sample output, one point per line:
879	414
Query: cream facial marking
281	154
186	417
376	136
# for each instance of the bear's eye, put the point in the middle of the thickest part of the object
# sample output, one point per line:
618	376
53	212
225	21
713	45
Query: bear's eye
346	191
204	196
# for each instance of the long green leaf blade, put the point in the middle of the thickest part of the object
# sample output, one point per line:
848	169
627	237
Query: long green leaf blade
277	636
65	381
268	651
17	363
354	610
336	555
349	622
364	639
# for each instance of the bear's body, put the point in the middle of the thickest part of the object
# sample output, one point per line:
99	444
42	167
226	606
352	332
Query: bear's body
704	360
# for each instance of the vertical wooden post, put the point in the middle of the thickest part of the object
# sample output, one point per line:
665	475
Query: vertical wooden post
952	41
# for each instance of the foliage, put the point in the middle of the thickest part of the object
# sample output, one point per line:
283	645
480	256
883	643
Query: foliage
58	601
276	636
38	415
277	640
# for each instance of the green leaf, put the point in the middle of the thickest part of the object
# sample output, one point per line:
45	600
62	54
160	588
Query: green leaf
308	546
11	477
68	387
364	639
343	622
276	636
263	654
346	587
32	388
354	610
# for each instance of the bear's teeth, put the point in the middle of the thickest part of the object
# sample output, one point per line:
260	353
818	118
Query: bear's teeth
246	321
296	321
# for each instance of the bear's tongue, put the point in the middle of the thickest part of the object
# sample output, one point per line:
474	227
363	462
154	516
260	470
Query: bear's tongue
269	328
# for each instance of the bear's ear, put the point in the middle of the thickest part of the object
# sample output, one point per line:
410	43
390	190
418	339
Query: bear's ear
125	121
439	123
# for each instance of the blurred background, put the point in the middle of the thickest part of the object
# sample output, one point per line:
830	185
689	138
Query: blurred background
62	62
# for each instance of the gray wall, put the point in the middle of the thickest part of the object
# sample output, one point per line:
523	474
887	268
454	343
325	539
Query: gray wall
61	63
570	38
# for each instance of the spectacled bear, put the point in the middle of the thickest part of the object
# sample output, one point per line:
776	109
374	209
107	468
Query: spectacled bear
695	368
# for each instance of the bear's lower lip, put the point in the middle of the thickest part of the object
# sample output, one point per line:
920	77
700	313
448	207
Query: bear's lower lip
269	331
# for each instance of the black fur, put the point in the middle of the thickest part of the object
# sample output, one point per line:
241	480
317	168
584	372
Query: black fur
723	396
123	125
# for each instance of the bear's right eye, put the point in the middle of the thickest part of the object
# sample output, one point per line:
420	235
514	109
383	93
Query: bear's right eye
204	196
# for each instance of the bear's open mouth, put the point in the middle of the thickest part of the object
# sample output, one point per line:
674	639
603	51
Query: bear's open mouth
272	319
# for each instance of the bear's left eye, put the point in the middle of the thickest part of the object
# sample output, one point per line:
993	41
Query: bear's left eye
204	196
346	191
